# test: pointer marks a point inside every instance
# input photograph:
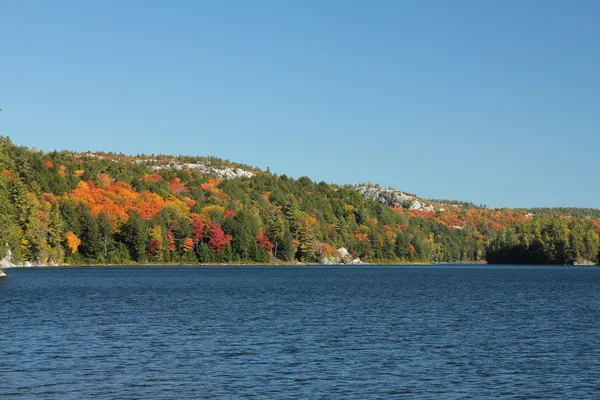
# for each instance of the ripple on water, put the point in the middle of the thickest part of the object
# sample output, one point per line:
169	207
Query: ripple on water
272	333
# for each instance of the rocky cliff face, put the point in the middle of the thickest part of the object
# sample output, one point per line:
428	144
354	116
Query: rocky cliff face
392	197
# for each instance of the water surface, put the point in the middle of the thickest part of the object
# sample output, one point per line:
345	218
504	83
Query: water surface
311	332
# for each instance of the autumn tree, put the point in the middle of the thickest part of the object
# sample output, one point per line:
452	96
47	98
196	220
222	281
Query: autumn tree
72	242
264	242
218	240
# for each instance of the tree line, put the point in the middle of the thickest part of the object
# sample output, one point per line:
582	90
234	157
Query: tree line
75	208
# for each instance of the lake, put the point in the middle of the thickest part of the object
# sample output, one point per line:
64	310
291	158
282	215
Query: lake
451	332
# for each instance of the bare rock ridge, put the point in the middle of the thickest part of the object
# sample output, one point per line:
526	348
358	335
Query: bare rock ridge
223	173
392	197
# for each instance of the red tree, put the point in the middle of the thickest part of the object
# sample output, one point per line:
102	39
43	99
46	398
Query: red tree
229	213
264	242
153	247
218	239
197	229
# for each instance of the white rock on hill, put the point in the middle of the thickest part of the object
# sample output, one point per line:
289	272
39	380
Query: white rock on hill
231	173
392	197
224	173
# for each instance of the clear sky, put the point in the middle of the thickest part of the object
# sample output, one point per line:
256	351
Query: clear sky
495	102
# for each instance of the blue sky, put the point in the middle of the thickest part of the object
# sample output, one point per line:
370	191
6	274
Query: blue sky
495	102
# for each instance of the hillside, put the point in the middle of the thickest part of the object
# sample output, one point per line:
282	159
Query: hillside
69	207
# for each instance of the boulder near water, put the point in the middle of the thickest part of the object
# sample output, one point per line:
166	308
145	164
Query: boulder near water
7	261
583	262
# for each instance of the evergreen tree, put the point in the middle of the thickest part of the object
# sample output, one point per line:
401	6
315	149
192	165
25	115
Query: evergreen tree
135	236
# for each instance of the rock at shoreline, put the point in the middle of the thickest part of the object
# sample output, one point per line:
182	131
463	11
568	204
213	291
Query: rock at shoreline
327	261
343	258
583	262
9	262
356	261
343	253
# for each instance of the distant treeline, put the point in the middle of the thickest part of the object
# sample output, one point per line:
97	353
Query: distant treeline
592	213
545	240
464	204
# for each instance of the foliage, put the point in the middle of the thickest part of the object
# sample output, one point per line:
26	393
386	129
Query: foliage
592	213
546	240
72	207
72	242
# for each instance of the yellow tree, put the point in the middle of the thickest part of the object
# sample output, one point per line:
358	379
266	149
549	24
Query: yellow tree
72	241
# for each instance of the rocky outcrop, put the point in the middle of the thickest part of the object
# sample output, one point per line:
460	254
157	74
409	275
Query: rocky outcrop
356	261
417	205
583	262
223	173
9	262
232	173
343	257
388	197
2	273
343	254
392	197
327	261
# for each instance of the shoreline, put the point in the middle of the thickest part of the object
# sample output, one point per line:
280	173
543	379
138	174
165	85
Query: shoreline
142	265
233	264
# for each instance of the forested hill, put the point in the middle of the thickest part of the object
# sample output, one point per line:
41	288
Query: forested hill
68	207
